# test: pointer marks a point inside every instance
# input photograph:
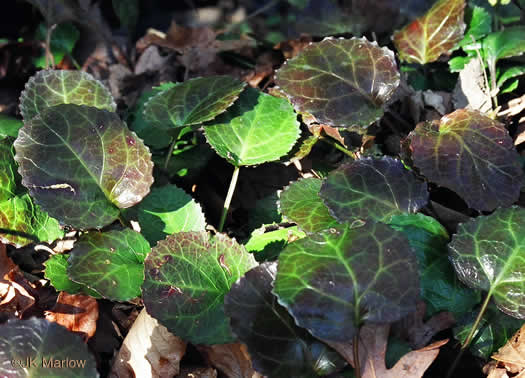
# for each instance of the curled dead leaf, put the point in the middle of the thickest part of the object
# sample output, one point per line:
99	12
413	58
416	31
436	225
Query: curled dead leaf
231	359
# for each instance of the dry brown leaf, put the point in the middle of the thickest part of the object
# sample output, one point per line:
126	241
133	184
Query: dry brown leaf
232	359
16	292
148	351
372	348
293	47
197	372
511	356
77	312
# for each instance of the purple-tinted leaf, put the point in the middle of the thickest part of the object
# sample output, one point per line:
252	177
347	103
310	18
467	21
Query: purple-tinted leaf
372	188
341	82
187	276
40	348
334	281
81	164
52	87
488	254
435	33
277	347
471	154
194	101
300	203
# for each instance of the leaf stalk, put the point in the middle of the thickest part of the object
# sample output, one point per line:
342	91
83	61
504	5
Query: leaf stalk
229	196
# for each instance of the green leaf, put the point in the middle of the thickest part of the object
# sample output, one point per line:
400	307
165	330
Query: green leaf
300	203
40	348
52	87
127	12
510	87
510	73
81	164
187	164
110	263
265	212
63	40
372	189
168	210
341	82
335	281
488	254
277	346
504	44
192	102
457	63
187	276
470	154
267	245
479	22
7	171
22	222
440	288
435	33
258	128
56	273
9	126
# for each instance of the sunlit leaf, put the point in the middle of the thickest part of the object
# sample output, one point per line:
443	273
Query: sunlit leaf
435	33
110	263
341	82
56	273
192	102
300	203
266	245
487	253
39	348
440	288
22	222
52	87
277	346
504	44
258	128
510	73
334	281
471	154
479	24
167	210
187	276
7	171
81	164
372	188
9	126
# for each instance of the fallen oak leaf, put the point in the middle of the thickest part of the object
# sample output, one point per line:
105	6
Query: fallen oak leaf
372	349
511	356
231	359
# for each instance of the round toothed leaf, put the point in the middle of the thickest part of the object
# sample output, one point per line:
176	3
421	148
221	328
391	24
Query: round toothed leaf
168	210
277	346
470	154
488	253
435	33
193	101
258	128
110	263
56	273
22	222
54	87
300	203
372	188
7	170
341	82
187	276
40	348
81	164
334	281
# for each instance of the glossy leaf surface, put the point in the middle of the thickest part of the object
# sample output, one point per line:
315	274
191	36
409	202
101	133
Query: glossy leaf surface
56	273
435	33
277	347
53	87
192	102
334	281
7	171
487	253
167	210
22	222
110	263
341	82
372	188
258	128
300	203
471	154
46	345
82	164
187	276
440	288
